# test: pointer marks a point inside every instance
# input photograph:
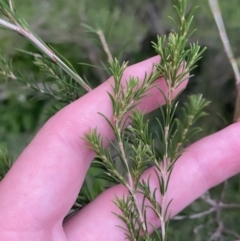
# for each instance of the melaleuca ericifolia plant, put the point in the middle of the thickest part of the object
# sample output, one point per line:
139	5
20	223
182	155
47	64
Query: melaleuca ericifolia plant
134	146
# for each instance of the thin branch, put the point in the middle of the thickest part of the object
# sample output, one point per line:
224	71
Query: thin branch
104	44
222	32
229	205
46	50
130	185
230	232
218	204
196	215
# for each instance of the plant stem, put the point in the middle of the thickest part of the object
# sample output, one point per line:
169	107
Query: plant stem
104	44
223	35
130	186
164	167
46	50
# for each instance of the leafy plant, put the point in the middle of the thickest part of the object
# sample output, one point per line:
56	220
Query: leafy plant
136	148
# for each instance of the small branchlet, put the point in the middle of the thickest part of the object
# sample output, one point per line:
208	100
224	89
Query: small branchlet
57	84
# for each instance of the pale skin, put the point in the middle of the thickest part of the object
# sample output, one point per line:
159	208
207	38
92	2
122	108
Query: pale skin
44	182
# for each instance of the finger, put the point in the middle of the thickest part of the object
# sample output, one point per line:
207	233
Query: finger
205	164
45	180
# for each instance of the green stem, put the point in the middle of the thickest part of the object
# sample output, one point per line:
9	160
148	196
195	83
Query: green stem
130	186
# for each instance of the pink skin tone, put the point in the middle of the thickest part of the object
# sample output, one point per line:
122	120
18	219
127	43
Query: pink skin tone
44	182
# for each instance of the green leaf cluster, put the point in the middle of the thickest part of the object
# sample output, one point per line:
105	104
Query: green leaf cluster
134	145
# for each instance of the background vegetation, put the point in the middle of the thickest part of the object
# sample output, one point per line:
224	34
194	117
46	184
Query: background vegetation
129	27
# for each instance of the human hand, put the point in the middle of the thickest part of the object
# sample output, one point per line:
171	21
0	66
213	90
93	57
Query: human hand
38	191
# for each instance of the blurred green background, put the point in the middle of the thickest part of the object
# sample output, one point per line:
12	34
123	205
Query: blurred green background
129	27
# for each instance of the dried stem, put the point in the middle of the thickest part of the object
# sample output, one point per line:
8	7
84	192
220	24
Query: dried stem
104	44
222	32
196	215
